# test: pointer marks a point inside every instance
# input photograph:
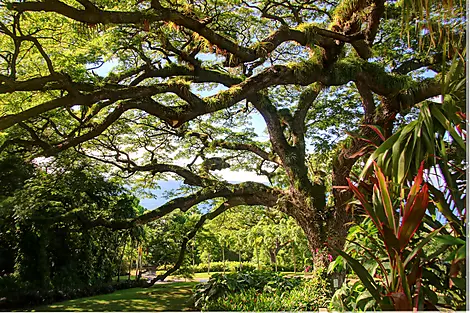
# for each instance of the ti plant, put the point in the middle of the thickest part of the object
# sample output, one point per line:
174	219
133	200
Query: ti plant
396	218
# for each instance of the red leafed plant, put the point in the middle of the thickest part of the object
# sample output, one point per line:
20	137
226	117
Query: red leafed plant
397	216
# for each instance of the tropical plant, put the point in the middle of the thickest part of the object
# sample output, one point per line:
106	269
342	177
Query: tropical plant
220	285
270	292
437	137
396	213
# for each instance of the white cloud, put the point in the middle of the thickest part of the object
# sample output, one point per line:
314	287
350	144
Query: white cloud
241	176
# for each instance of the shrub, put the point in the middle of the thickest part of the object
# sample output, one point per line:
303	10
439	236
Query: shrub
258	290
230	266
353	296
277	294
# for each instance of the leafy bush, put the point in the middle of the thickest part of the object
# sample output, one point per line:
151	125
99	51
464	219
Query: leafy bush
260	291
230	266
353	296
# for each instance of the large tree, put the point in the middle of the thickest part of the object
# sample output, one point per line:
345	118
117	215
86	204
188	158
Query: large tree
189	76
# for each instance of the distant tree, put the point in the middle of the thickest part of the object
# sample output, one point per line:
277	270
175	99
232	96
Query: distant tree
47	240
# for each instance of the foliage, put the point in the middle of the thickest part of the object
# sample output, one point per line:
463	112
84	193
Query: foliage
401	283
389	252
267	292
436	137
352	296
165	235
220	285
46	244
230	266
157	89
274	239
176	89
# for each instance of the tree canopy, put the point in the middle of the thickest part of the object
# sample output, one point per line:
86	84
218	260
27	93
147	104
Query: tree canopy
186	83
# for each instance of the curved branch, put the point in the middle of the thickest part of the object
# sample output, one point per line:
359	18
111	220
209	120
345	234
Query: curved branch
230	203
253	193
189	177
209	216
93	15
246	147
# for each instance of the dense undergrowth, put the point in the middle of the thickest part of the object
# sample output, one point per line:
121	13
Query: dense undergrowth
262	291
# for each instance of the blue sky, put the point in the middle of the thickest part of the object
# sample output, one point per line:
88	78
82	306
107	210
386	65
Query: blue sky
159	194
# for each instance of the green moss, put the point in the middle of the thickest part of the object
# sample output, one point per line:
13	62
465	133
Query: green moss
306	68
310	31
346	9
262	48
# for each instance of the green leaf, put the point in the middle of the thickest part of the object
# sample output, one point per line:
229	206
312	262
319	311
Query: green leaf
420	245
450	240
444	208
403	279
459	282
386	200
383	148
413	218
461	253
430	294
363	274
448	126
378	207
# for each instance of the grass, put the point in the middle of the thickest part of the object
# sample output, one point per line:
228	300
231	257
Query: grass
161	297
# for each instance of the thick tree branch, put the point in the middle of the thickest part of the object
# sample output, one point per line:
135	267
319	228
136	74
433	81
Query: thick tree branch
415	64
306	100
92	15
367	100
253	193
190	178
209	216
246	147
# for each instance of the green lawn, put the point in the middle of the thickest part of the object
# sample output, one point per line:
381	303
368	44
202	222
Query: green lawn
161	297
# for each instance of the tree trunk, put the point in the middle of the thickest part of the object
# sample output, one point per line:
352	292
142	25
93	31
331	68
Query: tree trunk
122	258
130	264
137	262
223	258
208	263
275	263
324	229
194	257
293	257
272	256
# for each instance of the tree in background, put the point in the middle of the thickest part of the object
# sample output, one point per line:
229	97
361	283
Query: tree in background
189	77
46	239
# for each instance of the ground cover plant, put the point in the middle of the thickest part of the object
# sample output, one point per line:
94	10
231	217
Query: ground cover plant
262	291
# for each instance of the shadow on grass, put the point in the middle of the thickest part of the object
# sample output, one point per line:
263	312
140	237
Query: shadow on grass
163	297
